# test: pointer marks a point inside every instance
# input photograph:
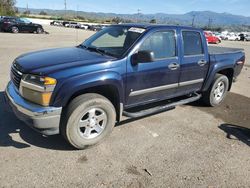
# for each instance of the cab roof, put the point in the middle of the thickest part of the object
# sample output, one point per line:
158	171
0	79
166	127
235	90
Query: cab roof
158	26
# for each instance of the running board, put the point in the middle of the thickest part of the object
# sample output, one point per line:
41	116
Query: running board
163	108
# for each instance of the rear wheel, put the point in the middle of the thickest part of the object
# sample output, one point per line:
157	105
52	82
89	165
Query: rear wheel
39	30
217	91
89	119
14	29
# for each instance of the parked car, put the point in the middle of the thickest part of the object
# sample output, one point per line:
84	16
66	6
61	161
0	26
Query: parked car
16	25
82	92
247	37
56	23
233	37
83	26
64	23
211	38
219	35
72	25
95	27
244	37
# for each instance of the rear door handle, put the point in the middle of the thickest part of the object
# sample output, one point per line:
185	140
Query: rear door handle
173	66
202	63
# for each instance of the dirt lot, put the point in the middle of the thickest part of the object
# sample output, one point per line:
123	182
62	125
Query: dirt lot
191	146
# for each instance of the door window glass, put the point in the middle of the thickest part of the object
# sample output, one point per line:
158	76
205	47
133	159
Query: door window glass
192	43
162	44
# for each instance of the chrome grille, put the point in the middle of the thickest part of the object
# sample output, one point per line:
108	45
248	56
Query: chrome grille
15	76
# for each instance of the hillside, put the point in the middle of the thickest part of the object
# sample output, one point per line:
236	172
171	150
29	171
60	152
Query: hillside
202	18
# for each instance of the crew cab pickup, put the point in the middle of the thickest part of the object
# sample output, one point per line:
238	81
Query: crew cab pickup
82	92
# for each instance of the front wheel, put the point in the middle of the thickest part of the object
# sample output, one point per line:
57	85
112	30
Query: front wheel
39	30
217	91
89	119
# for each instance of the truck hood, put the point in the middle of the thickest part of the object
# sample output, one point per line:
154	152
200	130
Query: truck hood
48	61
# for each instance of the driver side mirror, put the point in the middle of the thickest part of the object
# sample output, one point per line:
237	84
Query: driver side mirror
142	57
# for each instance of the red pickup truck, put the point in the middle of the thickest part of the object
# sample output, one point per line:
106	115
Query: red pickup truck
211	38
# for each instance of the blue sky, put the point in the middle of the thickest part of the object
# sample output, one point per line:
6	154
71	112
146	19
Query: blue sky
238	7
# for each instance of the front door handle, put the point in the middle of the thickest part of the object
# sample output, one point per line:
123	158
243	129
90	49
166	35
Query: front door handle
173	66
202	63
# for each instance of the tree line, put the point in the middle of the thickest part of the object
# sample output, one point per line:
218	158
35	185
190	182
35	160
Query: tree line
7	7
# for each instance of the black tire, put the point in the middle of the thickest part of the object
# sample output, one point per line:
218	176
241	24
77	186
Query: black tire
212	97
39	30
14	29
79	111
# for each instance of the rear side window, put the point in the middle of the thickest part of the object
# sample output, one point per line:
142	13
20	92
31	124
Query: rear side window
162	44
192	43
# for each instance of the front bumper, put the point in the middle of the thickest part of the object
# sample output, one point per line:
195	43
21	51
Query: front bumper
44	119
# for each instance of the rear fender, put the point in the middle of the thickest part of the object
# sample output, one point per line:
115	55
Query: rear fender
216	68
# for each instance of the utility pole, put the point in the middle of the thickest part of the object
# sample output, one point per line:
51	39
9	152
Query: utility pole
210	21
65	8
138	15
193	20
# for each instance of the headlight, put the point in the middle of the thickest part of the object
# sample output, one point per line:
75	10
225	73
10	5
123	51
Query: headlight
37	89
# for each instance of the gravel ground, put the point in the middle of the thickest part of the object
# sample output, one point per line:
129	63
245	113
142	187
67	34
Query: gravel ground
191	146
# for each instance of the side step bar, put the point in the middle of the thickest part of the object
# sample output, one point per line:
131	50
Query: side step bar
163	108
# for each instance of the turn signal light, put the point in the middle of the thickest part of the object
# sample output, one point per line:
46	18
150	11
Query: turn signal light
49	81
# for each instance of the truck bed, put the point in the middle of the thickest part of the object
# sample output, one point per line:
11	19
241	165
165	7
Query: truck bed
212	50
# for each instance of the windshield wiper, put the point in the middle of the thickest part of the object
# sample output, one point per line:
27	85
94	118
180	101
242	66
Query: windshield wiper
98	50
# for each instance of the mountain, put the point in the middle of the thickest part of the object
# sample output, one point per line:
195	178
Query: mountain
201	18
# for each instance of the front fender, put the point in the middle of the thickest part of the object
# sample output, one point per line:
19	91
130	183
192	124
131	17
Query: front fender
81	82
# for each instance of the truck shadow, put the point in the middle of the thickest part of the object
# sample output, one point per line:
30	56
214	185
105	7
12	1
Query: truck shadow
10	125
235	112
236	132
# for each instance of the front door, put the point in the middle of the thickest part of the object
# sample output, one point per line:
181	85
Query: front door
151	81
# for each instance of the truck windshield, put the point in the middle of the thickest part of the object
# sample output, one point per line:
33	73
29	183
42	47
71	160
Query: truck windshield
114	40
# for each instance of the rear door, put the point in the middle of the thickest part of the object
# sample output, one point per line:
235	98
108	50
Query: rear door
151	81
194	66
21	24
26	25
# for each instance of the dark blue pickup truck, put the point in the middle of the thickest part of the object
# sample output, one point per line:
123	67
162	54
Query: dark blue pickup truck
81	92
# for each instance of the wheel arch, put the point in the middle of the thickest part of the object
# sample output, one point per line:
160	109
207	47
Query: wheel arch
227	71
10	27
108	84
109	91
